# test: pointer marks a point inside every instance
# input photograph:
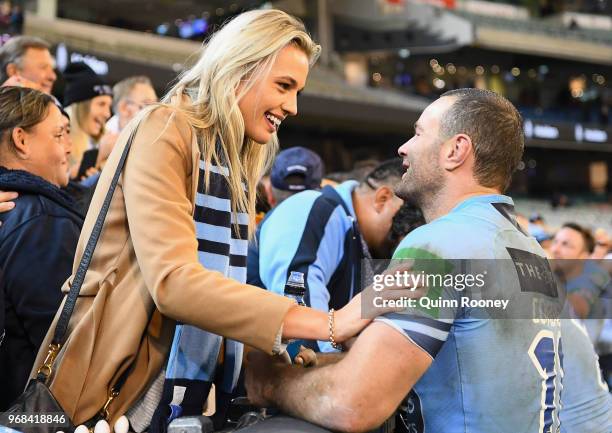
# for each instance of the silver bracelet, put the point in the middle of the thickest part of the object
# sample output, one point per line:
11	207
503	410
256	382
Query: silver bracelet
332	339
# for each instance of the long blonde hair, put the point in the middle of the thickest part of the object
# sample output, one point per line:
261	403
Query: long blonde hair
78	112
240	53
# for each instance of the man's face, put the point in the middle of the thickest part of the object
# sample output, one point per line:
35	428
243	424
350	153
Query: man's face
568	244
141	95
37	66
424	176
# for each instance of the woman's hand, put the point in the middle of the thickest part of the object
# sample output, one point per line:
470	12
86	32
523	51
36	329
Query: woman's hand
19	81
359	312
6	200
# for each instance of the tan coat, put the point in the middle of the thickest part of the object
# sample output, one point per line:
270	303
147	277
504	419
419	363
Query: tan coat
145	275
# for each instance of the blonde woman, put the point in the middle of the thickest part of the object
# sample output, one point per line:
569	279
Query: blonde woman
88	100
167	277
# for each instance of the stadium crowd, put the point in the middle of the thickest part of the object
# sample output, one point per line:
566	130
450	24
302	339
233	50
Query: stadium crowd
168	297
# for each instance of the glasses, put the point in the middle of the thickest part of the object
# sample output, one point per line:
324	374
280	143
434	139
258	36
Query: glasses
139	105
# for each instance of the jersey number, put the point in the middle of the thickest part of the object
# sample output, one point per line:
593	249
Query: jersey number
547	355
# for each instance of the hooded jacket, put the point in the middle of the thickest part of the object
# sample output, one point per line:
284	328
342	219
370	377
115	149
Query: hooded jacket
38	239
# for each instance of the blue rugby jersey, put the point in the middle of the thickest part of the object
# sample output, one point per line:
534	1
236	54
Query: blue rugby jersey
314	233
488	375
586	399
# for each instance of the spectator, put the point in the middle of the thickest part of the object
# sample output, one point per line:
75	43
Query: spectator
39	237
130	95
295	169
26	59
602	244
324	235
88	100
585	281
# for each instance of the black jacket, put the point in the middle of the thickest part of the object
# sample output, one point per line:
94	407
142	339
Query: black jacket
38	240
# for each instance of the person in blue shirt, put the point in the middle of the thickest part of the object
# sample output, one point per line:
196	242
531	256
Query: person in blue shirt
467	371
322	235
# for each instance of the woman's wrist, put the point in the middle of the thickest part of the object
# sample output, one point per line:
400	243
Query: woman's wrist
305	323
332	330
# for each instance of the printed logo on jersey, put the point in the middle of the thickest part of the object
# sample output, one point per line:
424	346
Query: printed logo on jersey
409	417
534	273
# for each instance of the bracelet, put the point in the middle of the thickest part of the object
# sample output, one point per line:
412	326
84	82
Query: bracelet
332	339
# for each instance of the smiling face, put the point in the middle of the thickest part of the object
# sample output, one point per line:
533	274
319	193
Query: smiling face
47	151
139	97
424	176
274	95
99	113
568	244
37	66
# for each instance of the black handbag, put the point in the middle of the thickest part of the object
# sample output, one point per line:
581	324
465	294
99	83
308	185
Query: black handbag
36	410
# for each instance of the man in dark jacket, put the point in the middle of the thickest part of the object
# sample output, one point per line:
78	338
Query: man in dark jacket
38	237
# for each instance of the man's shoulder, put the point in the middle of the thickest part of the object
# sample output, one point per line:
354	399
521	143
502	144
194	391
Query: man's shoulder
29	209
27	206
445	237
310	205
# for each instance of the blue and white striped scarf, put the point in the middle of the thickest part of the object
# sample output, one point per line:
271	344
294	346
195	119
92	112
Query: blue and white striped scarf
192	363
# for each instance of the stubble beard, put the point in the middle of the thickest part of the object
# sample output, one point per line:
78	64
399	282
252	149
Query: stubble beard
421	189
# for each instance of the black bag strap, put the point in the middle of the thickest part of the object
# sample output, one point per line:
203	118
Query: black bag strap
77	282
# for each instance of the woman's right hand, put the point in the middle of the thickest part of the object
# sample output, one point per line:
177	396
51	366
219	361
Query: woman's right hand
6	203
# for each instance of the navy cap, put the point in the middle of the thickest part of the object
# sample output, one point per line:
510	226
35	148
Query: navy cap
297	161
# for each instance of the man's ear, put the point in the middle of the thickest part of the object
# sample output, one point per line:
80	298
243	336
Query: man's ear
21	147
11	69
382	196
456	150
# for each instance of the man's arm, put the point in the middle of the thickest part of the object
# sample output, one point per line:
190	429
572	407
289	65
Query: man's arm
357	393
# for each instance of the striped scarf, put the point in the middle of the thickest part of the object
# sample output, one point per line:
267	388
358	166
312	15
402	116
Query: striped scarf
192	363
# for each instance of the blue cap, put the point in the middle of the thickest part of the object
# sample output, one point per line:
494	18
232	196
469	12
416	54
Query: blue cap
297	160
539	233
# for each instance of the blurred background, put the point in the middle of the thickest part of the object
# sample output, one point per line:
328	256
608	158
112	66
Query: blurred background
383	61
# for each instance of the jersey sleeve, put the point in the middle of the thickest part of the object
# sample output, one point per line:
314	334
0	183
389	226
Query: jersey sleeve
428	322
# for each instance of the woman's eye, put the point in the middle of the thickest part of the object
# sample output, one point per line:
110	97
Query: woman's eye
284	86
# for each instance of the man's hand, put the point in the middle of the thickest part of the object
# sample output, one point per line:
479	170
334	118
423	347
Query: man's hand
306	357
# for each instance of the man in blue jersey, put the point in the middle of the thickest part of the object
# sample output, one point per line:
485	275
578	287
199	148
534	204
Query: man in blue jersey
457	374
321	236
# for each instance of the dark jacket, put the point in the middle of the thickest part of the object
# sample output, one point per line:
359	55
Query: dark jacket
38	239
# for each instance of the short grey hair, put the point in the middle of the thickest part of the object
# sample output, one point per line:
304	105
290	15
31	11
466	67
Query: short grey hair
122	89
14	50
